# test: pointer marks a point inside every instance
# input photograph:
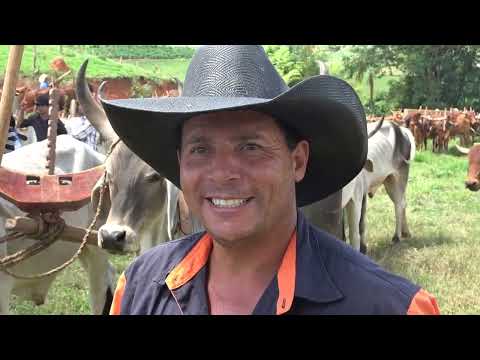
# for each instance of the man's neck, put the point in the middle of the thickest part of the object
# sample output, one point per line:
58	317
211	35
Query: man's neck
239	275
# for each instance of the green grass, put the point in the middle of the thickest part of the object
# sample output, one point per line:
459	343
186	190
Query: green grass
443	216
98	67
163	68
442	254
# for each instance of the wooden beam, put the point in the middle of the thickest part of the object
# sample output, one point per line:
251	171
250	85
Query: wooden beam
8	93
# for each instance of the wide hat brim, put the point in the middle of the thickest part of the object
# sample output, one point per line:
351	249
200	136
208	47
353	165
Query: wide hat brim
323	109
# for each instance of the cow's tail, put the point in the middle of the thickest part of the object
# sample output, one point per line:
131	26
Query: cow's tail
404	144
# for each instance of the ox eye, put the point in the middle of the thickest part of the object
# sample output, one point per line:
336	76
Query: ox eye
153	177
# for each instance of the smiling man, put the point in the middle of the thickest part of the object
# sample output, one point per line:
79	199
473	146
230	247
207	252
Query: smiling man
247	151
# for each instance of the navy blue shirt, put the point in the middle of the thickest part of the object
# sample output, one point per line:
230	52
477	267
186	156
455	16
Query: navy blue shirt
318	275
41	126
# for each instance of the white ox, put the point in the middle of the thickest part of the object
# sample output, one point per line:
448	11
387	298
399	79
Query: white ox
390	151
71	156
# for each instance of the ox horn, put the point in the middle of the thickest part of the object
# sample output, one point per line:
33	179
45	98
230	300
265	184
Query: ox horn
379	125
462	150
94	112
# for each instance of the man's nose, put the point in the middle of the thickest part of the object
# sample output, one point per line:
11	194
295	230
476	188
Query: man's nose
224	167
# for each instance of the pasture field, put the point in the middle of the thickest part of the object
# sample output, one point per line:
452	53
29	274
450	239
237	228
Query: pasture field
74	57
442	255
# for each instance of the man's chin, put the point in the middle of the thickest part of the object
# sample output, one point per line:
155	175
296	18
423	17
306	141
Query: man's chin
226	236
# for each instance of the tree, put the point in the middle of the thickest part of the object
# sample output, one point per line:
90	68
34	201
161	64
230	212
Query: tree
436	76
294	63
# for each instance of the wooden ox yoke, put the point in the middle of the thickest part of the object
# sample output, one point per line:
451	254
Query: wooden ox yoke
48	193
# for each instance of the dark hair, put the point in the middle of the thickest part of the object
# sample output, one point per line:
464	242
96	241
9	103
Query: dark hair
292	138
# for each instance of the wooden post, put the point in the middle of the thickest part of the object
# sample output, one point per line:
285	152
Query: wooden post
73	108
8	93
52	130
34	59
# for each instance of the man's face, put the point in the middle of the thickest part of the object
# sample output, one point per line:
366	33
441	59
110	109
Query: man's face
42	109
238	175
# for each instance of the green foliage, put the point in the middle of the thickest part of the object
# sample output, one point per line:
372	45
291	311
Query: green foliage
142	51
294	63
433	75
98	66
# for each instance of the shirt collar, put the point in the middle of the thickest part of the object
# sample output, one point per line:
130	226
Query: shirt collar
302	272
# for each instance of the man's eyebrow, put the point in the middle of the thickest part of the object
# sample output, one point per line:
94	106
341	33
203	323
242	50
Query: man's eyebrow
247	137
195	139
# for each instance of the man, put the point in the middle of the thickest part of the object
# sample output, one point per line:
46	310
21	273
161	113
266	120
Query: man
247	151
43	81
81	129
39	120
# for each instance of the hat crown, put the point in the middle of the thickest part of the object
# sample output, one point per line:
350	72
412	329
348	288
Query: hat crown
233	71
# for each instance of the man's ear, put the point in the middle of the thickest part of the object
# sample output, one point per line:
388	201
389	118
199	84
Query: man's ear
300	159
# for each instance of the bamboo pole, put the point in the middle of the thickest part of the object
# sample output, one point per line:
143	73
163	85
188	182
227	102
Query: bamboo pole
8	93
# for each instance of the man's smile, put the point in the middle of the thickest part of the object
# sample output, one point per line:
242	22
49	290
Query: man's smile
228	202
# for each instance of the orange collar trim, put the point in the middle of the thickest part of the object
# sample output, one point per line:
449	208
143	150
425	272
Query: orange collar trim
191	264
198	257
286	276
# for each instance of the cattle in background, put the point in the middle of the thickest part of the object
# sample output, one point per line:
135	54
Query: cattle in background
419	128
390	151
462	126
440	133
135	223
71	156
472	182
58	64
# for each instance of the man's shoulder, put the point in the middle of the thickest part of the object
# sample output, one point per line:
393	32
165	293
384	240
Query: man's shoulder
158	261
30	118
358	277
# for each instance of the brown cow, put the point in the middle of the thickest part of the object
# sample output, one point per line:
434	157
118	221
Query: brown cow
115	88
439	132
59	65
419	128
462	127
473	174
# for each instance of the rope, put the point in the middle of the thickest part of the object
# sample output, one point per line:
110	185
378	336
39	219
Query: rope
53	236
10	237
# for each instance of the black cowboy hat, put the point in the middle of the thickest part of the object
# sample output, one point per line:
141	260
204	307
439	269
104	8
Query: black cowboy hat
324	110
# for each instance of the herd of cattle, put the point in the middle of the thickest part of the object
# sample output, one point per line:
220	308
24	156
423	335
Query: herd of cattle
438	125
131	222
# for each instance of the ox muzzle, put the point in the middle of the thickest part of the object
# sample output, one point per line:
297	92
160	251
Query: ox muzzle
117	239
472	185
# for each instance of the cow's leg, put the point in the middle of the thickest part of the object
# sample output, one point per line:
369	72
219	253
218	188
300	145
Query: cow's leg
353	214
6	286
362	226
101	276
396	187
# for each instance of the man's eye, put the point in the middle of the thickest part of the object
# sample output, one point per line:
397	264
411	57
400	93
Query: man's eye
250	147
198	150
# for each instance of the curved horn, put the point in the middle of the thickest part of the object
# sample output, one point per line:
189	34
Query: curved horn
462	150
379	125
94	112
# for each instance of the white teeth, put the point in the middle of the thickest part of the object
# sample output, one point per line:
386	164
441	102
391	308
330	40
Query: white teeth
228	203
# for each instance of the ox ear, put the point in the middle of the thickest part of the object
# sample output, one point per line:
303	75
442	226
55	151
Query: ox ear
95	198
368	165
